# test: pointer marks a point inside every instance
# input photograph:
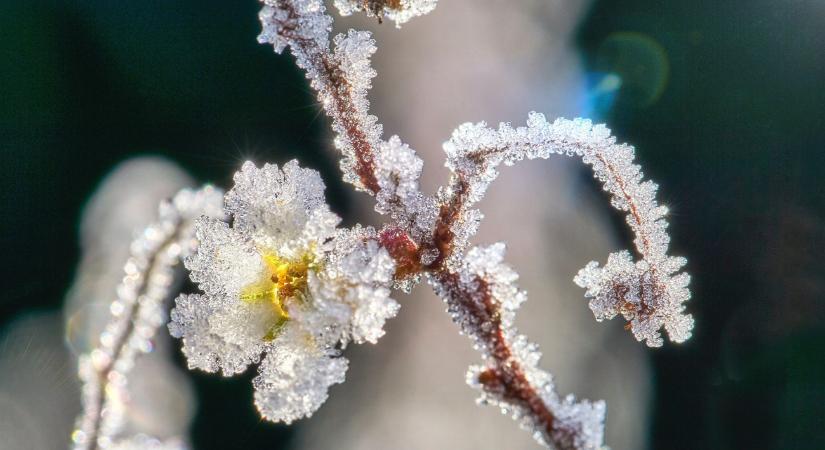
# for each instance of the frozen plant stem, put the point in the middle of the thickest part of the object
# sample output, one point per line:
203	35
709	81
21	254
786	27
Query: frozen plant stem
136	315
328	77
158	264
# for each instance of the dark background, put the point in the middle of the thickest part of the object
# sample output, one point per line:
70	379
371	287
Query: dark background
723	100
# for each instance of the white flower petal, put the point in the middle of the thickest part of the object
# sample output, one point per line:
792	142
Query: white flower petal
315	236
203	347
225	261
245	324
294	378
358	274
273	205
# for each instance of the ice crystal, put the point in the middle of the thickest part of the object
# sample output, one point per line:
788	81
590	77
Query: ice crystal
482	298
649	293
137	313
284	282
399	11
286	21
648	297
398	170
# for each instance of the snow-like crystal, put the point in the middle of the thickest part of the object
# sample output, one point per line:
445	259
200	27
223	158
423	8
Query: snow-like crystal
282	281
293	380
399	11
286	20
203	347
355	286
225	261
648	298
398	170
343	94
274	202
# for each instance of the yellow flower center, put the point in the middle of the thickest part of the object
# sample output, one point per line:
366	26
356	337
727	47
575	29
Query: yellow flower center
283	280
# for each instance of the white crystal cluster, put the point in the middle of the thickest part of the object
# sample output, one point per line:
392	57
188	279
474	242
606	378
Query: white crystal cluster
649	293
136	315
342	76
576	424
283	286
399	11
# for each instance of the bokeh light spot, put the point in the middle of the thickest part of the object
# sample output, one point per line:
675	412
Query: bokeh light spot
640	63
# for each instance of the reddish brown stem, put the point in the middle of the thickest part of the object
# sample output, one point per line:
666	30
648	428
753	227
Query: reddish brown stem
340	90
634	211
353	129
505	378
448	214
403	249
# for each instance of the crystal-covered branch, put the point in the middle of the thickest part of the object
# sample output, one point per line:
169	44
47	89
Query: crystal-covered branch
482	298
285	288
342	76
649	293
136	315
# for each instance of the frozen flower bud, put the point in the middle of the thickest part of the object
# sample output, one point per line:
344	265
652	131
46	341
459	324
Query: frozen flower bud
646	297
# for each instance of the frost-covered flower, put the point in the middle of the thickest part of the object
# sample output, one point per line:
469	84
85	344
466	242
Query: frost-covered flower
650	297
284	287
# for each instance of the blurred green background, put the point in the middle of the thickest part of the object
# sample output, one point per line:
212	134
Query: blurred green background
724	101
